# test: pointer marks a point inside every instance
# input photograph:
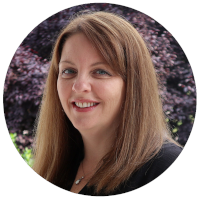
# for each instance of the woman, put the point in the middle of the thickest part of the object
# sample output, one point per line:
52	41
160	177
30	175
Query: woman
101	128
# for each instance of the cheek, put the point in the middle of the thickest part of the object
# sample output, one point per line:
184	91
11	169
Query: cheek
112	93
63	91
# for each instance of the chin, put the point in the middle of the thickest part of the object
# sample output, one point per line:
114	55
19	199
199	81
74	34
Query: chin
84	125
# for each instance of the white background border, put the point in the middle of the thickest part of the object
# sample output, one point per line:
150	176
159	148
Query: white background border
18	18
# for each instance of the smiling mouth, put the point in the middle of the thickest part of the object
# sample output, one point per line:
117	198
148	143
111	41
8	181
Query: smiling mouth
85	104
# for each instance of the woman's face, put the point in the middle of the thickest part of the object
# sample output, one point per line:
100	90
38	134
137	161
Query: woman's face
91	94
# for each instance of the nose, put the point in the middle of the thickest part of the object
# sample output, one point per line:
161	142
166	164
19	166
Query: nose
81	84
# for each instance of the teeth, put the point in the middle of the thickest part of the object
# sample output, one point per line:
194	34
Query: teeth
80	105
84	105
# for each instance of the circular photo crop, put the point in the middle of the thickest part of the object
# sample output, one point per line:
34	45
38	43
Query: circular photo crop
99	99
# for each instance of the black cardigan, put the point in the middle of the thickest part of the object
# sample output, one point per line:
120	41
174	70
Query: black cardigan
146	173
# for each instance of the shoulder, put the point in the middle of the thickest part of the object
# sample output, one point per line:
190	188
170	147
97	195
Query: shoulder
166	156
157	165
153	168
169	151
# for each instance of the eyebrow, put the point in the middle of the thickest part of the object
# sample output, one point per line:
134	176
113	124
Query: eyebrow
98	63
92	65
66	61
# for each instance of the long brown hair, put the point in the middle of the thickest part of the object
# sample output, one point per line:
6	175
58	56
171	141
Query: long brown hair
142	130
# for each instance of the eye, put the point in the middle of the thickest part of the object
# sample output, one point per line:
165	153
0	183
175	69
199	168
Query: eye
68	73
102	72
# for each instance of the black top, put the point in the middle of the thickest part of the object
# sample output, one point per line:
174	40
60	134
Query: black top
148	172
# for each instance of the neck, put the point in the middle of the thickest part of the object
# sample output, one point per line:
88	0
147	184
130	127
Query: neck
96	146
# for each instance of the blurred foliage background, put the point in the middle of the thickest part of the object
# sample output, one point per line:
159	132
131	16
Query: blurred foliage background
26	75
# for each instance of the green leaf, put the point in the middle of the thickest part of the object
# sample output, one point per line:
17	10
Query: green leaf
13	138
175	130
179	123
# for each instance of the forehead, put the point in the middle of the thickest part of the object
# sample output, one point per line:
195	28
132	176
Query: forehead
79	48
